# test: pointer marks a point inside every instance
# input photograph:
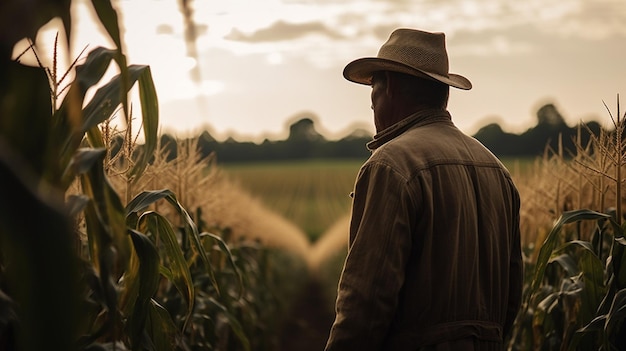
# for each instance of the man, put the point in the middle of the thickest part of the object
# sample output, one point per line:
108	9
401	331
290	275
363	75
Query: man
434	260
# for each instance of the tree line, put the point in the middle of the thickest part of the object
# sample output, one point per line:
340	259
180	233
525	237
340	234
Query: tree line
304	142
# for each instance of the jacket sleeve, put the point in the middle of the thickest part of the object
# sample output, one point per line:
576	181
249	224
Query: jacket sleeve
373	273
516	269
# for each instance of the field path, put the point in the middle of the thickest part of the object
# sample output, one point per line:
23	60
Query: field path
308	324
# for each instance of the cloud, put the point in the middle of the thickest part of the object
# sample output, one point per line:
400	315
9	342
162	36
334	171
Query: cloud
328	33
595	20
590	19
281	30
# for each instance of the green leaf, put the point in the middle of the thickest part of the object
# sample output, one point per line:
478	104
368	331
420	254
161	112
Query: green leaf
150	118
618	261
108	18
567	262
68	131
91	71
108	209
102	258
25	110
161	328
617	312
234	324
596	324
162	231
191	232
145	199
76	204
548	303
106	99
148	284
130	284
84	160
231	259
592	270
38	265
94	136
190	229
553	239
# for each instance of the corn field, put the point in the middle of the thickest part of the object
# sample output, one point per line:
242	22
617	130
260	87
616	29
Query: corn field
105	244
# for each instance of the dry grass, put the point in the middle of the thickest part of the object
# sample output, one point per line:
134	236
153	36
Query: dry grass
200	185
564	180
332	243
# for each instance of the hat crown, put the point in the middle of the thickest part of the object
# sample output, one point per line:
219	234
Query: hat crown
408	51
417	49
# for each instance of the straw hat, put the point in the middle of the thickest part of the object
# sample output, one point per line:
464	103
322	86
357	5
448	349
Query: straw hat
412	52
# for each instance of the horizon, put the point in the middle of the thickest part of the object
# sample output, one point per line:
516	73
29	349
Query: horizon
334	136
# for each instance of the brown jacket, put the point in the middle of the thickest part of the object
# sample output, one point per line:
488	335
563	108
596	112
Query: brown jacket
434	260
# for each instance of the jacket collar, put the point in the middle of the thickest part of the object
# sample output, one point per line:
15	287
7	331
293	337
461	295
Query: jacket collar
419	118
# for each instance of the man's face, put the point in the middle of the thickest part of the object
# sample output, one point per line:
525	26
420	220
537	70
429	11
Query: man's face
379	99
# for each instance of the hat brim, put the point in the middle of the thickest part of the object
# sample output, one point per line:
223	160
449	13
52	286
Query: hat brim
361	70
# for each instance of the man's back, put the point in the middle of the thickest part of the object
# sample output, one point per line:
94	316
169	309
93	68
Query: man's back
446	219
465	229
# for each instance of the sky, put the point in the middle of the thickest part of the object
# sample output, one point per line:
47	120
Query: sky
262	64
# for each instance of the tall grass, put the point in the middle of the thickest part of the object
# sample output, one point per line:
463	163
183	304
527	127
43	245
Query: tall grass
575	266
267	252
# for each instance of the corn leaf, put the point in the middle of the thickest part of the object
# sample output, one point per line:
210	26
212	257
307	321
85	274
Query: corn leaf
94	136
224	248
68	131
108	17
25	117
161	328
234	324
592	270
107	208
617	313
191	231
90	72
567	262
129	289
38	264
552	241
155	224
618	261
150	118
106	99
76	204
146	198
102	256
148	284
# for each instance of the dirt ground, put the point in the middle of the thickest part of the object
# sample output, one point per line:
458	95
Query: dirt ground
310	321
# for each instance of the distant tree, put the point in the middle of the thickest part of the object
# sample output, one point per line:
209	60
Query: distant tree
550	125
207	144
550	130
305	142
499	142
168	143
304	129
549	116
